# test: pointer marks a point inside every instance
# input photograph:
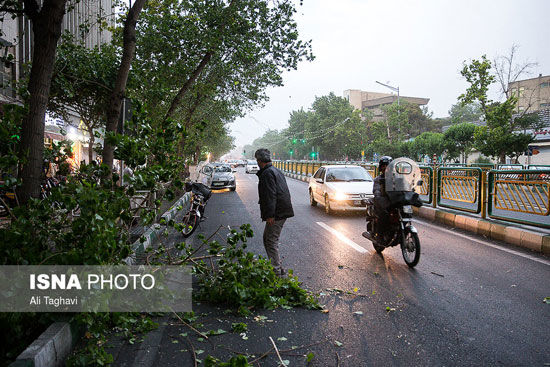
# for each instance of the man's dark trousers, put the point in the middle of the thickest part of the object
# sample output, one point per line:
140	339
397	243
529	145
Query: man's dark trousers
271	241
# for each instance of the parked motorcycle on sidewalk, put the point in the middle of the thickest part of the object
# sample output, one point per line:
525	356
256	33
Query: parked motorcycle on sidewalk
200	194
403	179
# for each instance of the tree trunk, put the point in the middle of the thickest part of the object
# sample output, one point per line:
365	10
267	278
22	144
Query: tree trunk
197	154
46	25
91	142
187	85
129	48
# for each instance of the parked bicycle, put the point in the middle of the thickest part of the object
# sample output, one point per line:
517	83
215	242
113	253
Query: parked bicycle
200	194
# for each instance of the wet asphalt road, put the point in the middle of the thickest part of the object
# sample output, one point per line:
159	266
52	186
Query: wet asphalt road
470	301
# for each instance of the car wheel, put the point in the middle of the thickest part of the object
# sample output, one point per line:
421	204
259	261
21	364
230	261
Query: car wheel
328	210
312	201
233	188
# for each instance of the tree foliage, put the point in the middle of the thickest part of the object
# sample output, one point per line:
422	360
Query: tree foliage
459	140
500	136
82	82
460	113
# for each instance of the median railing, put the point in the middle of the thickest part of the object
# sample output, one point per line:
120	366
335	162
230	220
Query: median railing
509	194
459	188
520	196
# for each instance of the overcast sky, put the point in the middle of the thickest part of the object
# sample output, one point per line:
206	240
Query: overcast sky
418	45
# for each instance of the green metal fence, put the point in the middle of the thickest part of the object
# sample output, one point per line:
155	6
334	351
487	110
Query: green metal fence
459	188
521	196
515	195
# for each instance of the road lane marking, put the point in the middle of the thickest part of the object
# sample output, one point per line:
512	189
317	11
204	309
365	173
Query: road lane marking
473	239
342	238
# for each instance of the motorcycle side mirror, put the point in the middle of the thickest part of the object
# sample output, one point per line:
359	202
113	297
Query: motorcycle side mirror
420	183
319	180
207	170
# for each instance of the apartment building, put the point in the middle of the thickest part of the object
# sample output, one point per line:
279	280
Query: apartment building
533	94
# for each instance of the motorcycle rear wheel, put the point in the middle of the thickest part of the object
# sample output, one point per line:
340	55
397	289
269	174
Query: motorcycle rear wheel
410	248
190	222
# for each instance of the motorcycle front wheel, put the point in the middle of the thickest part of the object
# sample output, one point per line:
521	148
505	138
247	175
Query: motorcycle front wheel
410	248
190	222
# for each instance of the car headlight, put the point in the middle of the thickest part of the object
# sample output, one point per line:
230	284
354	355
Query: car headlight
340	196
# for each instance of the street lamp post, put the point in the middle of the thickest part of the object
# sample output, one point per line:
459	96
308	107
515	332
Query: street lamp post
395	89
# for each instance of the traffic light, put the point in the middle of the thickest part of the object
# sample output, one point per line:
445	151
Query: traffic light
293	141
312	154
291	151
303	141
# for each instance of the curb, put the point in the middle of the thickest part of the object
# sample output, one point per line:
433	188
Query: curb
152	233
531	240
521	237
51	347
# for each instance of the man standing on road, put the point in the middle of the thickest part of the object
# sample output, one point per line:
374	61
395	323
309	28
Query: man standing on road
275	205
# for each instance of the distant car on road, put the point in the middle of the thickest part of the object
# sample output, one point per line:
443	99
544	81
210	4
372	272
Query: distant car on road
251	166
341	187
223	178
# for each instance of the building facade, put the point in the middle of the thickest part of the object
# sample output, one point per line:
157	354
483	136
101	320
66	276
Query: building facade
533	94
88	21
374	101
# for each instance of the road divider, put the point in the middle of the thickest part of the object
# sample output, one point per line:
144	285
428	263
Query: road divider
530	239
343	238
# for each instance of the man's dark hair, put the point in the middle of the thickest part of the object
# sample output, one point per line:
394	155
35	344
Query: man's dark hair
263	155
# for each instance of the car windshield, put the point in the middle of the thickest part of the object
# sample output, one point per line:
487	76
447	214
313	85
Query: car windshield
252	162
348	174
223	169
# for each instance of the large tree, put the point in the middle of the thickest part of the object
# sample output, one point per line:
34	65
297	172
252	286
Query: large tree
46	17
501	136
119	89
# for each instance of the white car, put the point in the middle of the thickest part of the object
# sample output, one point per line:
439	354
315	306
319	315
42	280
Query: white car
251	166
341	187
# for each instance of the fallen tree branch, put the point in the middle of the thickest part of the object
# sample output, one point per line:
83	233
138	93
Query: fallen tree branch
189	326
276	350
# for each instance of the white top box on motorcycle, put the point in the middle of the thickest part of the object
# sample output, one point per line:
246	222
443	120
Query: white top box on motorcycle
403	174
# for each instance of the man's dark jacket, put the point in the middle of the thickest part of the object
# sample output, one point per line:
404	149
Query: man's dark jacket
274	195
381	200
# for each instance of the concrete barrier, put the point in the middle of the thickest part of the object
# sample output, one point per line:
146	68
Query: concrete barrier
152	233
51	348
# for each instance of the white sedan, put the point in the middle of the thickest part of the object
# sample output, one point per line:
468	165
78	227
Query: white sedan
251	166
340	187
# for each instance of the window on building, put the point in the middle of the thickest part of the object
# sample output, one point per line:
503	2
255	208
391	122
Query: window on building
521	91
544	105
545	84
